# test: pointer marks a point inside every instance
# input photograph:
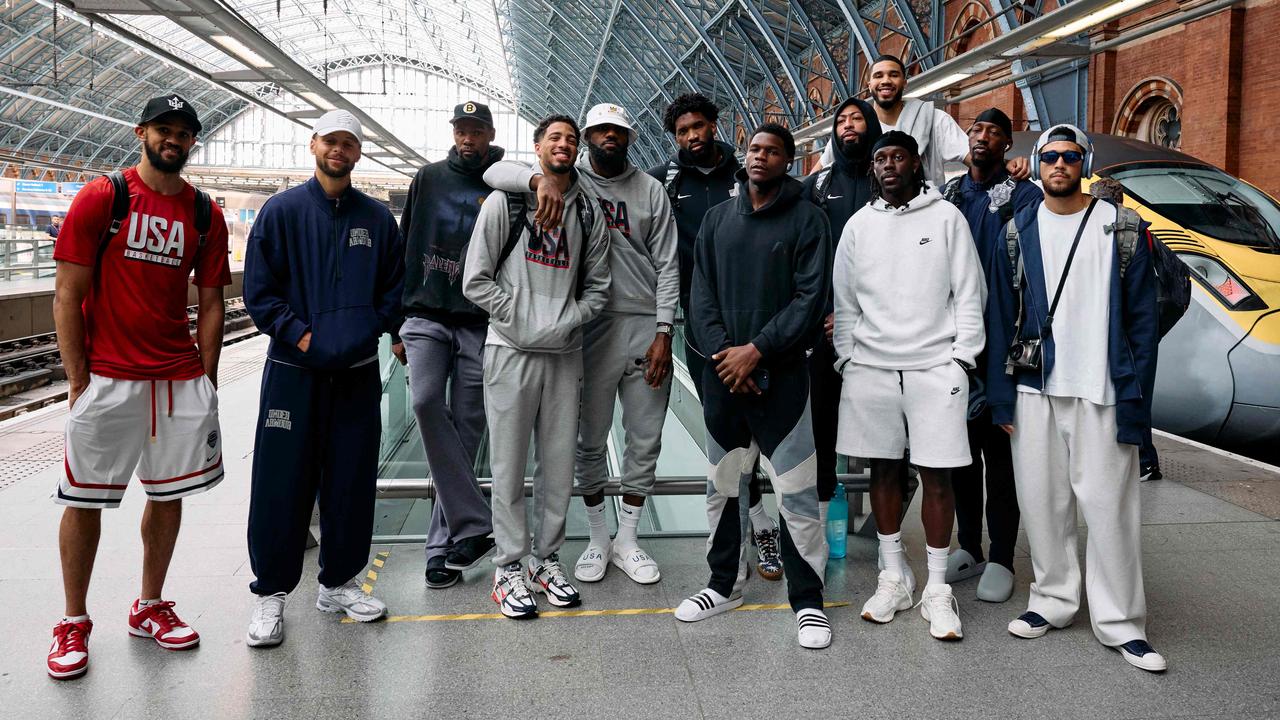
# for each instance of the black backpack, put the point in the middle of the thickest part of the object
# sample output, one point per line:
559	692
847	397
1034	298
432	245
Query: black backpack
1173	277
820	186
672	183
120	211
517	209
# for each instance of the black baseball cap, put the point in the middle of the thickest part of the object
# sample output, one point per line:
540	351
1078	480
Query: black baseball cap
170	104
472	111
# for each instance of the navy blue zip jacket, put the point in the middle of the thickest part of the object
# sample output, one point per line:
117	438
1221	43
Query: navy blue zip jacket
1131	336
331	267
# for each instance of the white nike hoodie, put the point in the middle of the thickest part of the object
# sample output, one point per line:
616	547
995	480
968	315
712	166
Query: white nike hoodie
909	288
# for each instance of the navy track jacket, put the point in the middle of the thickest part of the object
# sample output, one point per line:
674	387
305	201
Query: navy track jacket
334	267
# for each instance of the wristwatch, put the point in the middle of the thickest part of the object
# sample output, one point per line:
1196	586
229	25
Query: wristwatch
666	328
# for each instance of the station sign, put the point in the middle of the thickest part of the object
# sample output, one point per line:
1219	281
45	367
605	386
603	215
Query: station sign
71	188
36	187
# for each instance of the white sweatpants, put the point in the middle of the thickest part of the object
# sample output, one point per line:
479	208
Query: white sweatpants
1065	452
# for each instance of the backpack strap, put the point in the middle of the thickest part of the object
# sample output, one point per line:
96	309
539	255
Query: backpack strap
1013	248
516	221
1125	230
951	191
586	221
204	216
820	187
119	211
672	184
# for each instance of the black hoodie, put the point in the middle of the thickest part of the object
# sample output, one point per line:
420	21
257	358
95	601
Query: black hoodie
761	276
444	201
696	192
848	186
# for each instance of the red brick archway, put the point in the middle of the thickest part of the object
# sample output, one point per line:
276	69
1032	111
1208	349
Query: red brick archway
1149	109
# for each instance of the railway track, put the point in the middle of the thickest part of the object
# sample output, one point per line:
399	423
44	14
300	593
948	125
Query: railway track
30	364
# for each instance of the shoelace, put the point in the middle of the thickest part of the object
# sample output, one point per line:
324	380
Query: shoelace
937	603
888	586
271	606
515	581
71	638
552	568
767	542
165	615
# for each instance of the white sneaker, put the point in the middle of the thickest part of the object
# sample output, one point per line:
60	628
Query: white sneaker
549	579
266	627
940	608
352	600
592	563
512	594
1140	654
962	566
891	596
637	564
705	604
814	629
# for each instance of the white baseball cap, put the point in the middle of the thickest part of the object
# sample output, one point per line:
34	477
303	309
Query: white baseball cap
609	114
336	120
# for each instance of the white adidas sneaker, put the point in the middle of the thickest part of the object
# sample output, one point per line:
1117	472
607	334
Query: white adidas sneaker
705	604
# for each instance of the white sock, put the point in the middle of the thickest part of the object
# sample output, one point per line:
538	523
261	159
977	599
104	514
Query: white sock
75	618
760	520
144	603
628	521
891	554
937	565
595	521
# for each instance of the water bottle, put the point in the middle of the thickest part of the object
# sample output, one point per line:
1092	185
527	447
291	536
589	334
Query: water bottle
838	523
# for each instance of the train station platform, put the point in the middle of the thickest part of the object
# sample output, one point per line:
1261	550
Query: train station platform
1210	538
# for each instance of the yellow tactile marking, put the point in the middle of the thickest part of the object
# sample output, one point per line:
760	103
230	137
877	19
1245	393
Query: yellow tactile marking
579	613
372	575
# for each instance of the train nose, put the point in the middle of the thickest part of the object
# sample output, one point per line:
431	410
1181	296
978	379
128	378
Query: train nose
1255	369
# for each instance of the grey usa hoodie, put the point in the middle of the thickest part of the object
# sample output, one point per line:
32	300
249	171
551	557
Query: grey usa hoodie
643	263
530	299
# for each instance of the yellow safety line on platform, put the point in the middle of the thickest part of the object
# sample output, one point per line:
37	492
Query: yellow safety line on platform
579	613
372	575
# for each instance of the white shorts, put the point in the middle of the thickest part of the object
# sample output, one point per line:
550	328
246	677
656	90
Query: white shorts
166	430
880	409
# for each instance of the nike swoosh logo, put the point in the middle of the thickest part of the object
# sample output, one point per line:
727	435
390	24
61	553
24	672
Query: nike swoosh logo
834	197
955	390
681	197
924	241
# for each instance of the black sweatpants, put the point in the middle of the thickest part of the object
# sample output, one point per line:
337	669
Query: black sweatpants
775	428
825	387
696	364
988	444
318	436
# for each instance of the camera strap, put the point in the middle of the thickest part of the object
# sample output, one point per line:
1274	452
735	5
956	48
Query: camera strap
1062	281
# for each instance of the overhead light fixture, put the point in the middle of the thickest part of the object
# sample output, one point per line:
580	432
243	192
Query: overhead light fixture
1096	18
1030	45
241	51
317	100
940	83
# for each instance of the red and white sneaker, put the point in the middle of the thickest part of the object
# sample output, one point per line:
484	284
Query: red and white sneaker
159	622
69	653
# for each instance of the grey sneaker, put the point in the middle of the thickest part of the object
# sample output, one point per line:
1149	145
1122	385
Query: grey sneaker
352	600
266	627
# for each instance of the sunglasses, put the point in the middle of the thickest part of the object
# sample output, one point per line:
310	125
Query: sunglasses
1071	156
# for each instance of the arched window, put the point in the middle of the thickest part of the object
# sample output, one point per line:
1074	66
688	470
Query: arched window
1152	111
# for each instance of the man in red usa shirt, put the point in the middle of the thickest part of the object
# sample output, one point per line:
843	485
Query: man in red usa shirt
142	394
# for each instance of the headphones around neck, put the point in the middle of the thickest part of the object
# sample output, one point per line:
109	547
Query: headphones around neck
1080	139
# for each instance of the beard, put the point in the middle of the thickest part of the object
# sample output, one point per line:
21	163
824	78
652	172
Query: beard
851	150
987	161
612	159
1068	191
474	161
338	174
891	102
156	158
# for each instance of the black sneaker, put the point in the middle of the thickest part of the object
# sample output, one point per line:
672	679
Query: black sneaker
468	552
439	576
1150	472
1140	654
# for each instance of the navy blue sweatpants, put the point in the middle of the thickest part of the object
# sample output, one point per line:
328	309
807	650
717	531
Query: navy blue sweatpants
317	439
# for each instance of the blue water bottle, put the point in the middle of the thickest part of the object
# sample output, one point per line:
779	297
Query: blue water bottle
838	523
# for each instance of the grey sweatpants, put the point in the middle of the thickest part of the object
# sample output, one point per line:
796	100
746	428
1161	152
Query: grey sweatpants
449	357
538	393
613	347
1065	456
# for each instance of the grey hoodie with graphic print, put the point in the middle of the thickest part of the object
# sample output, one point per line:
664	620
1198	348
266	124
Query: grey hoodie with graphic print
531	298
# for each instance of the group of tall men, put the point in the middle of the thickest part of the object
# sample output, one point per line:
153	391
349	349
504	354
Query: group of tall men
871	310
